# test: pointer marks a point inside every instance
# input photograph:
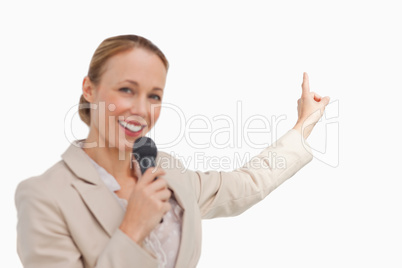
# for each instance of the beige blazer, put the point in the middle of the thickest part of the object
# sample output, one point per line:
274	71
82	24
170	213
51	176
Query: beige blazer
67	217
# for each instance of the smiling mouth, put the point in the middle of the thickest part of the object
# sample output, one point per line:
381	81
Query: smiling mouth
132	127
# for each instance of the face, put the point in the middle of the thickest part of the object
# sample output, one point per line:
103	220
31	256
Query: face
128	98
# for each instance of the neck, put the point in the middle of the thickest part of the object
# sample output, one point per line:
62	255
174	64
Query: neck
116	162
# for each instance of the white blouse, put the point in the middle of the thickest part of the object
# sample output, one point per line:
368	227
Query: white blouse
164	241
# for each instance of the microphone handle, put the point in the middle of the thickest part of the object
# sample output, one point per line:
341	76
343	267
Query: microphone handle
148	162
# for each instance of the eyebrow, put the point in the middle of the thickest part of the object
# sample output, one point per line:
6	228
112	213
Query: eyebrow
136	84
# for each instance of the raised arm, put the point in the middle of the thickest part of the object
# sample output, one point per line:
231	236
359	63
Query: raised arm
222	194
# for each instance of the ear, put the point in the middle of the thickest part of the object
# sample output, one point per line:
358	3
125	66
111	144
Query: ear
88	89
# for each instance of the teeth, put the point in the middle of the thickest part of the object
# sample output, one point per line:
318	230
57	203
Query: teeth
131	127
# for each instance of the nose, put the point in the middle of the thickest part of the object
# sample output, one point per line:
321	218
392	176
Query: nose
139	107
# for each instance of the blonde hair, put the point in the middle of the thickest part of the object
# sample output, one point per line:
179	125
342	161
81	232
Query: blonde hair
108	48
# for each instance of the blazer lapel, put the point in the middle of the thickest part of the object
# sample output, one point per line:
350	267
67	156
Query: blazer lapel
190	226
98	198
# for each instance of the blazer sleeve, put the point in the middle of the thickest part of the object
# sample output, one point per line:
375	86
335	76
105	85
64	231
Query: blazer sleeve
43	239
222	194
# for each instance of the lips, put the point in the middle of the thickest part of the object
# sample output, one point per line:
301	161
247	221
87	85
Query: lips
133	126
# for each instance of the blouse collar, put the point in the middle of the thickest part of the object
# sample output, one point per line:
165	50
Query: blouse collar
105	176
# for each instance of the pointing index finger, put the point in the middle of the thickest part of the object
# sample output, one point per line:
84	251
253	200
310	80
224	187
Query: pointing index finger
305	85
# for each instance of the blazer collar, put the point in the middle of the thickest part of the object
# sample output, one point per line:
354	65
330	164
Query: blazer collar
78	162
98	198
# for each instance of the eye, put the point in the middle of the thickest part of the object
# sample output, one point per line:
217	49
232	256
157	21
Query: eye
155	97
126	90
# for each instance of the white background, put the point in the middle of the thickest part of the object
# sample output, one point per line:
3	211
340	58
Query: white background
344	213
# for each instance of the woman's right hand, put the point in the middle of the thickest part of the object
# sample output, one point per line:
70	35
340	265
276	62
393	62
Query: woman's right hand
310	108
147	204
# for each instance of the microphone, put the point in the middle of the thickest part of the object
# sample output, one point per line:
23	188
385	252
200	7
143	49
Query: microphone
144	151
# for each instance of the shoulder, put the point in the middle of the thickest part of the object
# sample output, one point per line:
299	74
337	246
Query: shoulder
57	174
57	177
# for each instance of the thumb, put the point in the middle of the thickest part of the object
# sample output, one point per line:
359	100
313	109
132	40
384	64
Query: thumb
325	101
135	168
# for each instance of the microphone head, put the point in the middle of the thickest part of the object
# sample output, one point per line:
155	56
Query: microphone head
145	151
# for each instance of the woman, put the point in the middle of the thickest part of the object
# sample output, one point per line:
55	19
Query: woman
94	208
